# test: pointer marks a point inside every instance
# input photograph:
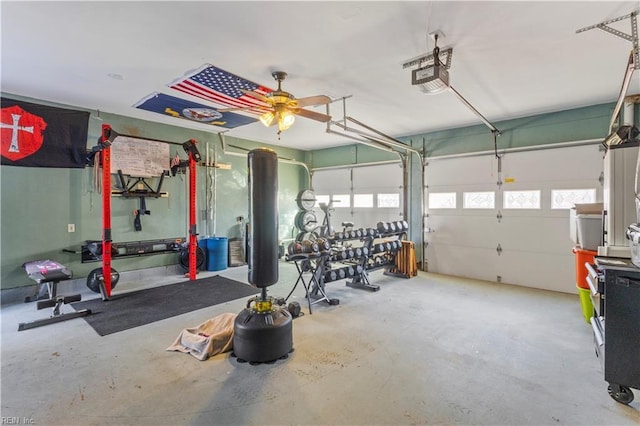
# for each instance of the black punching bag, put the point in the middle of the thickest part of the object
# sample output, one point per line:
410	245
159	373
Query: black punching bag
263	217
263	331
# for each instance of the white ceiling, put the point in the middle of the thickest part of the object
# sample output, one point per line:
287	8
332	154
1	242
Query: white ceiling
510	59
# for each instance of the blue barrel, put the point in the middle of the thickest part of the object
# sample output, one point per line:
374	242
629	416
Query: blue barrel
218	251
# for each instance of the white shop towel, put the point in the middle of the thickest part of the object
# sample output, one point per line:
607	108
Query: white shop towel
210	338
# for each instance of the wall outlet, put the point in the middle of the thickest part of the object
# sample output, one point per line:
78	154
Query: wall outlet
71	227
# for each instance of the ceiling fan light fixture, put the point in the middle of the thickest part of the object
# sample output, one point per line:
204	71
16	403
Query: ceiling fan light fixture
267	118
285	119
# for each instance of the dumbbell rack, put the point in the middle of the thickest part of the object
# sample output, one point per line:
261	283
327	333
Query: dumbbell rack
377	249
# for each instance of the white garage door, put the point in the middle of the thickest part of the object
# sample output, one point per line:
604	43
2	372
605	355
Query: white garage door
523	237
366	194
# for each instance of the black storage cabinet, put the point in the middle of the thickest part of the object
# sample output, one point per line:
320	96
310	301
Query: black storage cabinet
618	323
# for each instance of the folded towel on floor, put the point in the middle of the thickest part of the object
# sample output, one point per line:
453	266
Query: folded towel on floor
210	338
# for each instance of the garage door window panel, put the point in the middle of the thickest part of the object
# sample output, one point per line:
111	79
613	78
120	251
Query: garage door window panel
363	200
478	200
389	201
567	198
442	200
521	199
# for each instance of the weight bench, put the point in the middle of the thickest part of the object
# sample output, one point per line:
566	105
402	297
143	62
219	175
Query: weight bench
48	274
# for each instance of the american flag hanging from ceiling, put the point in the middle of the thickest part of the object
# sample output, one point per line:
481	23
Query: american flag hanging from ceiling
221	87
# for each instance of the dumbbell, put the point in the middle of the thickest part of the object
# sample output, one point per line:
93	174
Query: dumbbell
358	252
330	276
323	244
294	248
383	227
309	246
341	273
294	309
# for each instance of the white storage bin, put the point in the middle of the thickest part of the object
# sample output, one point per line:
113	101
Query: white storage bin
589	231
588	208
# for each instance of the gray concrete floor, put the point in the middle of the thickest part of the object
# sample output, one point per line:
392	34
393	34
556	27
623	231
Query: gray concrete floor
428	350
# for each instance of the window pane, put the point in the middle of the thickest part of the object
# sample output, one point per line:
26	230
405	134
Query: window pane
341	200
478	200
389	200
566	198
362	200
521	199
442	200
322	199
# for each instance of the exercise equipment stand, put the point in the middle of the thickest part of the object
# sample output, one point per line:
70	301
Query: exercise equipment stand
107	137
305	263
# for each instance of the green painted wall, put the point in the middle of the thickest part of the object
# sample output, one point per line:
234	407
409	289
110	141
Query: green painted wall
38	203
350	154
564	126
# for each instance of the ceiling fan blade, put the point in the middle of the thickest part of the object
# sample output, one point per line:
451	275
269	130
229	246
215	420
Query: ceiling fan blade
256	95
312	115
313	100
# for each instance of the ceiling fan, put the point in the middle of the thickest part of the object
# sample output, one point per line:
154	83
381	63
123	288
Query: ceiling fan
281	107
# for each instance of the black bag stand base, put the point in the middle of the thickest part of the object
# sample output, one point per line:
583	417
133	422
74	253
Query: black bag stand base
273	361
57	316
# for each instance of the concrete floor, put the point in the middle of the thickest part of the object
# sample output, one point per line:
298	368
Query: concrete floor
427	350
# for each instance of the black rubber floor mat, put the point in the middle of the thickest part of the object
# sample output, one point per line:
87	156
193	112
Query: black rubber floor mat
128	310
